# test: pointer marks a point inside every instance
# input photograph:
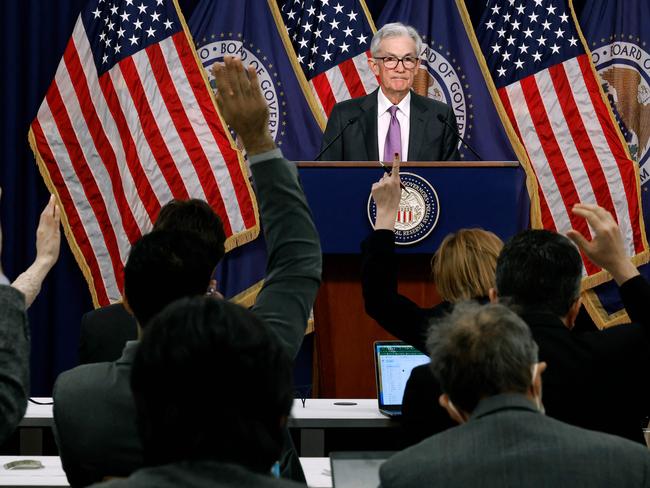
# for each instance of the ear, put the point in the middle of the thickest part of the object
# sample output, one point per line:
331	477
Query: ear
127	307
572	314
492	293
453	412
537	379
373	66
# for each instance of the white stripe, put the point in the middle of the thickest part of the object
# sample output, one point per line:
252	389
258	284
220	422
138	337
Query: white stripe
79	200
110	130
94	162
172	140
538	159
368	78
321	107
145	153
339	88
201	128
604	153
564	139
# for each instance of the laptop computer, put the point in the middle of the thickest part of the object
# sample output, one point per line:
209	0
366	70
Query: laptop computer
357	469
394	361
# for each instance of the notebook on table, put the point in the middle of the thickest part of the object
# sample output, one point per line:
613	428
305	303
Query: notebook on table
394	361
357	469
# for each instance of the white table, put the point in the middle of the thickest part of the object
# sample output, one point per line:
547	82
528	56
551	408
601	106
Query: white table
50	475
317	471
320	414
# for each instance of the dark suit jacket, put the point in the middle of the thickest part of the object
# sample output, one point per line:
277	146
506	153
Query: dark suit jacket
595	379
508	443
429	139
104	332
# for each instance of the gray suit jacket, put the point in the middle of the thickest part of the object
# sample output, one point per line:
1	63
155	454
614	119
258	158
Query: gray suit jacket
94	414
429	139
14	360
199	474
508	443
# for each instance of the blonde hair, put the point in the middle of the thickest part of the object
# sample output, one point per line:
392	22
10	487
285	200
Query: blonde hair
464	265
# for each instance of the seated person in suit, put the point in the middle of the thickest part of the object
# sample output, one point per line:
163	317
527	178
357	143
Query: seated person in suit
392	119
94	413
14	329
595	378
212	388
463	268
105	331
486	361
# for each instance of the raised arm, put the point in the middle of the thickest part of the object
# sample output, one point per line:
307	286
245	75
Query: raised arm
294	256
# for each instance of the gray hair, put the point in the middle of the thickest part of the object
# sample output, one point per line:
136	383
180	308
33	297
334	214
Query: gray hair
479	351
395	29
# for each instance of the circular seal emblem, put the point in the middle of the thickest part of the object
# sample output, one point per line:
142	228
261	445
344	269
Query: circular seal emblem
418	213
444	83
624	69
215	51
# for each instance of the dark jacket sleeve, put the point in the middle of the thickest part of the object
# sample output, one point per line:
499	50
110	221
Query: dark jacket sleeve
394	312
635	294
450	148
333	128
14	360
293	269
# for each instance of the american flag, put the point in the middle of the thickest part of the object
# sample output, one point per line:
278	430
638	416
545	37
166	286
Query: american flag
127	124
550	94
332	43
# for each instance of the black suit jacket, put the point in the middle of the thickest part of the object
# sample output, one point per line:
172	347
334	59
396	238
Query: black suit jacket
429	139
595	379
104	332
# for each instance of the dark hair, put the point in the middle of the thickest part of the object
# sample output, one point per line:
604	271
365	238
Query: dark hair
194	215
479	351
539	270
210	381
164	266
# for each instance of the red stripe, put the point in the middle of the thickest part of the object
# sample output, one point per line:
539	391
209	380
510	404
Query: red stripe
101	142
238	177
142	183
185	131
625	165
85	176
78	230
324	92
551	149
352	78
152	131
547	217
588	155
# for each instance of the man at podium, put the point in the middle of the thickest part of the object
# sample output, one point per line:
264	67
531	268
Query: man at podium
392	119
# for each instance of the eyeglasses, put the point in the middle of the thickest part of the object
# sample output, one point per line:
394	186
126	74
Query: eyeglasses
391	62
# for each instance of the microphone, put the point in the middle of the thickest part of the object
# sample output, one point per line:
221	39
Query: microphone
347	124
457	134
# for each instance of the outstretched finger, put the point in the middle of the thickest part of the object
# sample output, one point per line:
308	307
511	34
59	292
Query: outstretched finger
578	239
596	216
221	79
254	82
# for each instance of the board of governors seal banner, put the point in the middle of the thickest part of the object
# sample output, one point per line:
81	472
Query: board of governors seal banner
418	213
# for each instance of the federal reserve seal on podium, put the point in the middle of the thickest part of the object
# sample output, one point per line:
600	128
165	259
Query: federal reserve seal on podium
418	213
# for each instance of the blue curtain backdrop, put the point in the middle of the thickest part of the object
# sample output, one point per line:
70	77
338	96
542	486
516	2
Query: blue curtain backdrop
34	35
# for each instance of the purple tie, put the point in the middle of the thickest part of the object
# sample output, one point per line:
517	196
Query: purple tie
393	137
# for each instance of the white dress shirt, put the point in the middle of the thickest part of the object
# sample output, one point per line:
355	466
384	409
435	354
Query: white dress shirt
383	121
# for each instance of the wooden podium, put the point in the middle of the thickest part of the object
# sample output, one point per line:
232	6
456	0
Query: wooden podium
491	195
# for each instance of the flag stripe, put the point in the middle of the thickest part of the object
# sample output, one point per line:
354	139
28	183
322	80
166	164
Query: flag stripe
100	156
142	201
537	156
554	158
74	220
625	165
351	78
225	168
81	170
338	84
147	121
366	76
185	131
324	91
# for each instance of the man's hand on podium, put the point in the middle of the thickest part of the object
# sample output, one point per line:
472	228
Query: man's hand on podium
387	193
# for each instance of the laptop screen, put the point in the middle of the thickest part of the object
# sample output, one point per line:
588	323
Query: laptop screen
394	361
